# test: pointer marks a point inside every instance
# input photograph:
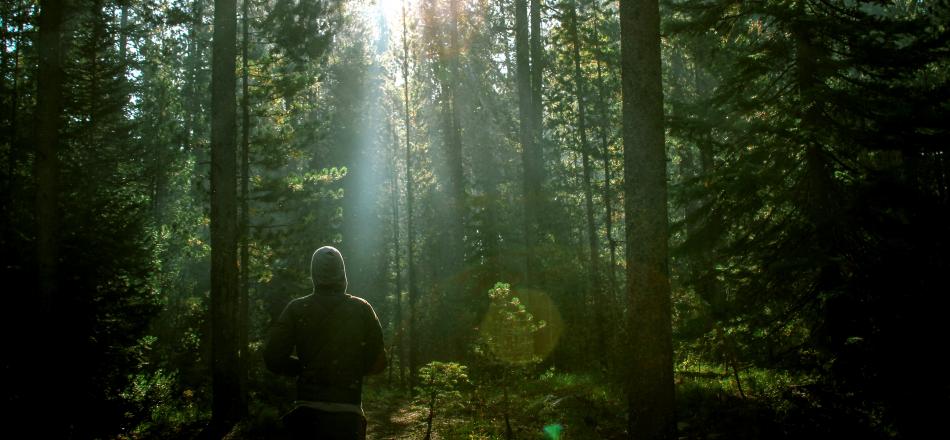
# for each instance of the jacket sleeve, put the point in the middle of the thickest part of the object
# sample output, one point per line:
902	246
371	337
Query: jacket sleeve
279	345
375	357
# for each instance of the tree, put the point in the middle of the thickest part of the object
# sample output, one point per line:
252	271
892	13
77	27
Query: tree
245	220
398	333
580	96
535	175
507	341
92	309
814	138
650	376
526	112
46	162
537	109
48	114
410	231
448	246
228	397
439	384
453	143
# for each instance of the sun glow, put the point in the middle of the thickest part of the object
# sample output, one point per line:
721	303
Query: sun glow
391	10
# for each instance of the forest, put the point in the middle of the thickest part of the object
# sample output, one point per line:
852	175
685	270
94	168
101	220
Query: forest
574	219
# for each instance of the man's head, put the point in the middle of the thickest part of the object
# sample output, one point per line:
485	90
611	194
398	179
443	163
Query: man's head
327	271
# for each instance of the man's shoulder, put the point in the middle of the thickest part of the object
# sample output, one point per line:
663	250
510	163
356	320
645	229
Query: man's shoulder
359	301
301	301
298	305
365	308
362	308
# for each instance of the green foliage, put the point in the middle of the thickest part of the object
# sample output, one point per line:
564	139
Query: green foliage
443	380
554	404
440	386
165	410
808	163
79	346
509	328
302	30
798	179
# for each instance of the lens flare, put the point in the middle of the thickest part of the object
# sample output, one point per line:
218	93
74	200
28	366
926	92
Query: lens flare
553	431
512	346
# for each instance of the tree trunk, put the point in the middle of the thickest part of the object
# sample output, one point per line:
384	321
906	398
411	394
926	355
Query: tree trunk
13	158
410	231
650	378
194	107
49	109
608	196
48	121
397	263
226	387
244	296
537	102
453	143
123	32
594	268
526	115
10	117
7	122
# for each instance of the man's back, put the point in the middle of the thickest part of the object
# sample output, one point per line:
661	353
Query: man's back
338	340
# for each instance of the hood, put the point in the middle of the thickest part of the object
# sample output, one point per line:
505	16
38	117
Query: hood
328	272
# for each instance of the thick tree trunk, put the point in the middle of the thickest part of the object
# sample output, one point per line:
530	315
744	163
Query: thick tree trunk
48	121
650	378
532	187
226	388
49	108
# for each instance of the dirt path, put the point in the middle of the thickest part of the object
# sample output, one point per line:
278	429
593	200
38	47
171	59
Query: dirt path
393	417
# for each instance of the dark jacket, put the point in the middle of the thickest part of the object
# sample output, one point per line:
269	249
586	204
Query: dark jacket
337	337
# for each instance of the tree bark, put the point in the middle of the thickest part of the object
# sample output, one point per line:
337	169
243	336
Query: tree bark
123	32
585	145
244	296
226	387
594	268
48	122
15	17
537	89
608	196
49	109
650	377
410	231
526	134
397	263
194	107
453	143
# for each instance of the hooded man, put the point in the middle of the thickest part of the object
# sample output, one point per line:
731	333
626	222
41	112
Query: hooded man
338	340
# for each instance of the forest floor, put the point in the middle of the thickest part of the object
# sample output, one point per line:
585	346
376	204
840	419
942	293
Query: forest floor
478	413
393	416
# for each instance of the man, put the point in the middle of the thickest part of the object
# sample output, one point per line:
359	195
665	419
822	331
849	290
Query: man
338	340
